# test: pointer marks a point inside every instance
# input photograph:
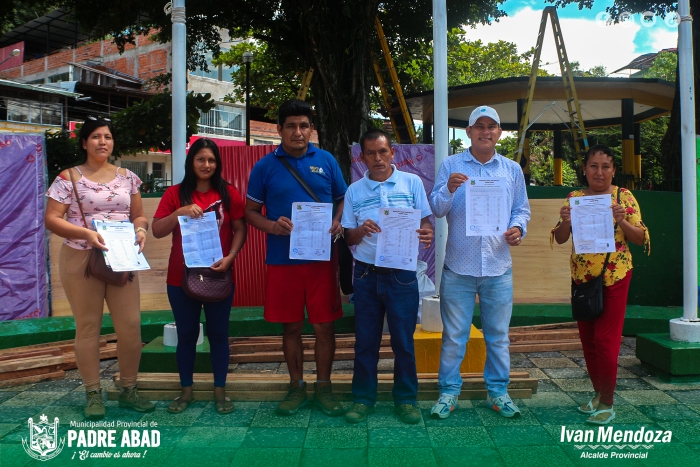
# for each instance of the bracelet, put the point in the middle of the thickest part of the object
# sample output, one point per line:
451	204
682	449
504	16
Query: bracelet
231	251
140	229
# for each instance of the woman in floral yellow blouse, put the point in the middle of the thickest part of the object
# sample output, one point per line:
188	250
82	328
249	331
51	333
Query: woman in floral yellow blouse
600	337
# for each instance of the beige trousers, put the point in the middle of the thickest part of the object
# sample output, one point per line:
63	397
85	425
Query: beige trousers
86	296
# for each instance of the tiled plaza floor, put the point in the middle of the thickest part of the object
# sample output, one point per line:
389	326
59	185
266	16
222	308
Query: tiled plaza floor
253	435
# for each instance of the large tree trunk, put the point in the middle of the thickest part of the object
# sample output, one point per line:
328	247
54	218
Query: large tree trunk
342	72
671	158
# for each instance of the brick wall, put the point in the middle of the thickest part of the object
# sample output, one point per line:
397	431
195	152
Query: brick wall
59	59
153	64
145	60
34	66
87	52
123	64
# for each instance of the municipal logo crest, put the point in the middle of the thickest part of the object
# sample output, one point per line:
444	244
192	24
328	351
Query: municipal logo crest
43	442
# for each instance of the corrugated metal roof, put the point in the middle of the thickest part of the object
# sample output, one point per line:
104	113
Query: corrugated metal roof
113	74
34	87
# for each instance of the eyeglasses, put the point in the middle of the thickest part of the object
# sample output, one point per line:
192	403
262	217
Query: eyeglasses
90	117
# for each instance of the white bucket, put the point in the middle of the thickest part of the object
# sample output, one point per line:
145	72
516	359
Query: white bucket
170	335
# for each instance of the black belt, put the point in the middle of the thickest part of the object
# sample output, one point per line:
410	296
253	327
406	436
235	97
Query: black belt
375	269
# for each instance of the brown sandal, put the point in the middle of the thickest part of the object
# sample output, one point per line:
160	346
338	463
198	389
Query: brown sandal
179	404
224	406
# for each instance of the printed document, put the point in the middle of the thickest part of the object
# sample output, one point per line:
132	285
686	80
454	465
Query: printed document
119	237
397	243
487	214
310	238
592	224
201	244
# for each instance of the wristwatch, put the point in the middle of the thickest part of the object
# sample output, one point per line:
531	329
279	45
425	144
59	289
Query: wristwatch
520	229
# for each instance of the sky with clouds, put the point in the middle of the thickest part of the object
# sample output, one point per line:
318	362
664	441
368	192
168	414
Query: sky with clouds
588	39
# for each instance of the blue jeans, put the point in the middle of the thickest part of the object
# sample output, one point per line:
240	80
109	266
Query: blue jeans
395	294
457	298
187	312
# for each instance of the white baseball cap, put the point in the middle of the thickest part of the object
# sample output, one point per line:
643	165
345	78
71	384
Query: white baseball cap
483	111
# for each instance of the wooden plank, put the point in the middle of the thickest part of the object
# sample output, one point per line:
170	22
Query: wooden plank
549	347
274	357
27	363
49	352
275	345
30	372
106	352
545	327
543	335
285	377
170	394
32	379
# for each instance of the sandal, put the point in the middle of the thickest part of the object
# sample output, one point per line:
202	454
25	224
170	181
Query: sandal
179	404
224	406
589	407
592	419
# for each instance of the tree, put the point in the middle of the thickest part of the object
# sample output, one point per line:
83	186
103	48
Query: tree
16	13
333	36
141	127
671	144
467	62
664	67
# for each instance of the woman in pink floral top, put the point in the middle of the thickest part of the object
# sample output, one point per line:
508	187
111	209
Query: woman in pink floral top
600	337
106	192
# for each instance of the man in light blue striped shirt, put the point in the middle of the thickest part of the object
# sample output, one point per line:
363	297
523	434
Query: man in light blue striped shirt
380	290
478	265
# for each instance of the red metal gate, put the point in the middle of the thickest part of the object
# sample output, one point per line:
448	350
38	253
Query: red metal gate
249	267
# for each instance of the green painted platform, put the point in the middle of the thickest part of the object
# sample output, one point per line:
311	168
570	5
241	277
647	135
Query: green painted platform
671	360
159	358
248	321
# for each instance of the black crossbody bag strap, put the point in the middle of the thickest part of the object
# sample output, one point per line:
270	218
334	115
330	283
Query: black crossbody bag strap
293	171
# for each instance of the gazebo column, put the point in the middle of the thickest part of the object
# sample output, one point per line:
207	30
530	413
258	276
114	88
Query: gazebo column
628	142
558	169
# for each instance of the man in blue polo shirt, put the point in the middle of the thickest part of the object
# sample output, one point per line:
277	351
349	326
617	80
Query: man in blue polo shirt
294	284
381	290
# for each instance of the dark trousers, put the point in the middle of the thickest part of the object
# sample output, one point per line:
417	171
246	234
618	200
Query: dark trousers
395	294
187	312
601	339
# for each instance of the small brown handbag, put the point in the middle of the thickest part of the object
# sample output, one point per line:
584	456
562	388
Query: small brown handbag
97	266
206	285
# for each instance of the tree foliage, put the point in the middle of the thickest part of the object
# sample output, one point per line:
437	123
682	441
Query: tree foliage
141	127
145	126
671	143
14	13
333	36
467	62
664	67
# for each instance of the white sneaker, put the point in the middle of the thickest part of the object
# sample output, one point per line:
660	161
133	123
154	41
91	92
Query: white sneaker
444	406
503	405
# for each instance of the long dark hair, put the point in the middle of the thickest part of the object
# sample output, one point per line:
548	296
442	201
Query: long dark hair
189	182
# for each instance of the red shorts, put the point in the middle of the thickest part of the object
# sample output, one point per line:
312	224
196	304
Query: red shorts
291	287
